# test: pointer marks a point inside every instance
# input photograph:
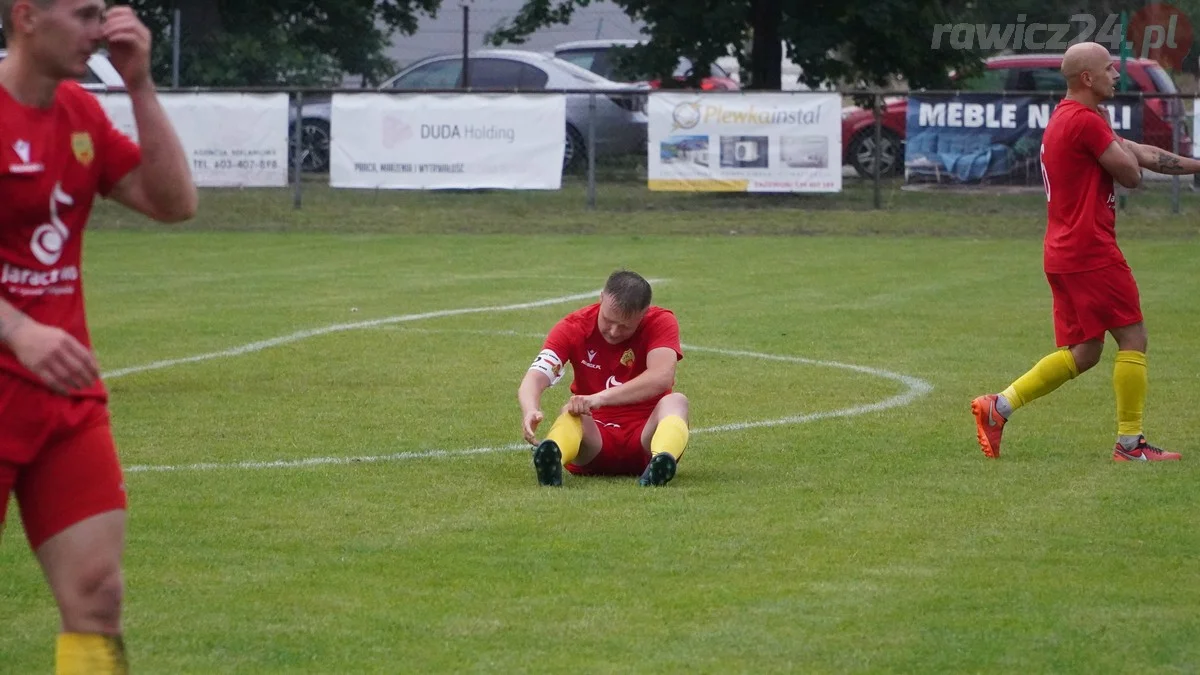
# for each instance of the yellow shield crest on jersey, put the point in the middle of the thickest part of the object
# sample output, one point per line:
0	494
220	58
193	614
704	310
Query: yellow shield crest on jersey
627	358
81	145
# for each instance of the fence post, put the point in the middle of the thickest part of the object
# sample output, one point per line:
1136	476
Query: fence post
297	149
175	48
1176	106
875	105
591	152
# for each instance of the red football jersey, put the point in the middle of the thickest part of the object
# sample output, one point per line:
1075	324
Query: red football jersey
53	161
1080	201
599	365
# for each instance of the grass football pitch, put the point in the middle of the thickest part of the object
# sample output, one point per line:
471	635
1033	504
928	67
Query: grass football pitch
317	414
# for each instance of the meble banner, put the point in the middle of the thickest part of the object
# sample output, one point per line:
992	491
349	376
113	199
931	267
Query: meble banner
438	141
985	138
745	142
231	140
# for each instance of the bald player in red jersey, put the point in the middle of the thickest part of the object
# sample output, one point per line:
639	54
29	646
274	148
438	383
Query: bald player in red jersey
58	150
623	418
1092	286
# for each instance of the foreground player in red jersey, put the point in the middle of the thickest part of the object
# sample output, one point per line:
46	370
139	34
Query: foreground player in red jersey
1093	288
623	419
58	150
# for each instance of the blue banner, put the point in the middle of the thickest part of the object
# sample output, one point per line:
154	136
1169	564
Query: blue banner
985	138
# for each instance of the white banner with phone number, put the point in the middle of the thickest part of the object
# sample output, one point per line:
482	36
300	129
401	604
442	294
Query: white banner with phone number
231	140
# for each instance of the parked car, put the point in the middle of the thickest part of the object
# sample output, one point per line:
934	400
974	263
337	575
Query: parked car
620	122
1018	72
598	56
102	76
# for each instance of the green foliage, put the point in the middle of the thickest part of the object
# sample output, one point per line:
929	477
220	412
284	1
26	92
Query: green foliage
280	42
854	42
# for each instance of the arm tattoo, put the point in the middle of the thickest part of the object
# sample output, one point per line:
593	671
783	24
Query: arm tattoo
1167	162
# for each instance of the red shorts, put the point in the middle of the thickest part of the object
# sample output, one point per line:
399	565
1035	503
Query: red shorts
621	451
58	455
1089	304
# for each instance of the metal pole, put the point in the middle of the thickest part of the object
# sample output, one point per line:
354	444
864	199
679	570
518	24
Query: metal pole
297	149
466	47
591	152
175	42
1176	107
1122	83
876	100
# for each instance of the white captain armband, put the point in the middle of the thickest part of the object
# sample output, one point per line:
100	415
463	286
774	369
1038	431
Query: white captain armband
550	365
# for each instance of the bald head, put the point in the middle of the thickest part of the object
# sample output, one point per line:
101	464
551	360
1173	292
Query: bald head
1085	57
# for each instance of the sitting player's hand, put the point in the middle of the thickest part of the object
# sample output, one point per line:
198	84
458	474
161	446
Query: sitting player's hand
529	426
582	405
54	356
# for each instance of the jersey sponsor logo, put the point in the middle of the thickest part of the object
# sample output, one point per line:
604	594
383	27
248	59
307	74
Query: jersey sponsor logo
47	245
612	382
50	238
627	358
81	145
25	153
591	356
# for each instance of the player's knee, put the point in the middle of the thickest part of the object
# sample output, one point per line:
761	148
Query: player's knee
93	602
675	403
679	399
1086	360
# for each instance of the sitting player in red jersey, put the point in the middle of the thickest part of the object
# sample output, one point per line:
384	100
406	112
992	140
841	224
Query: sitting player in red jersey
1092	286
622	419
58	150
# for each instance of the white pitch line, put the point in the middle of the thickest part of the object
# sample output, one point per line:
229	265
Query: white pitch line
321	461
340	327
915	388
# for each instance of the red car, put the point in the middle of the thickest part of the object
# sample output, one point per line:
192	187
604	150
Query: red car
596	56
1018	72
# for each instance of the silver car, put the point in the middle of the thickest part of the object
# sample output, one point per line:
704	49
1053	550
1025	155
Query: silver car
620	115
101	76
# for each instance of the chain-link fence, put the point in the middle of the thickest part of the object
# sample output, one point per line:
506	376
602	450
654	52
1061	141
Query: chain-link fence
897	149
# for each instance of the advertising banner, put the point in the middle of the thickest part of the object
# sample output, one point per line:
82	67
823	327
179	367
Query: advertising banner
985	138
745	143
439	141
231	140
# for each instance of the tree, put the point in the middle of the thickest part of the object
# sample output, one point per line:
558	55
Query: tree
854	42
278	42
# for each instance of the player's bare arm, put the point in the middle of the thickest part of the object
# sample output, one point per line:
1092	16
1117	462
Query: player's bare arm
161	187
1157	159
47	351
529	395
657	379
1122	164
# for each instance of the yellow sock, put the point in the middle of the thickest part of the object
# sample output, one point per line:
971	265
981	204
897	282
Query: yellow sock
90	654
1049	374
671	437
1130	382
567	431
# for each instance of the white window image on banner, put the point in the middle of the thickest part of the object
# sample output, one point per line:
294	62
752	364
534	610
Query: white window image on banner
804	152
